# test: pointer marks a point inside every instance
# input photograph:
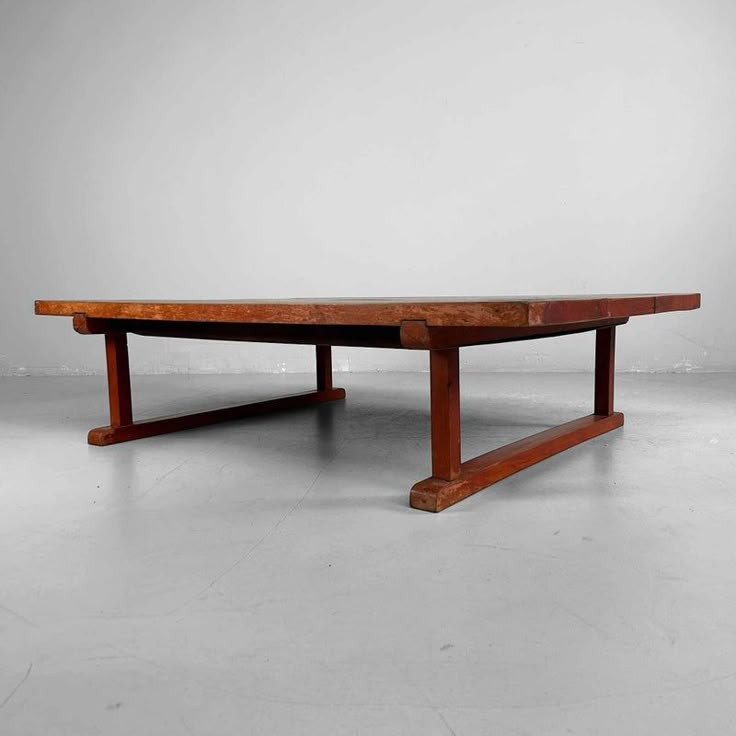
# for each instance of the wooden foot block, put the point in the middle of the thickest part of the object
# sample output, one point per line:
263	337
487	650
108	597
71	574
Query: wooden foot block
435	494
163	425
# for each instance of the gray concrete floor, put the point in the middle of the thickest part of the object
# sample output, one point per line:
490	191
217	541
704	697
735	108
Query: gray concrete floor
268	577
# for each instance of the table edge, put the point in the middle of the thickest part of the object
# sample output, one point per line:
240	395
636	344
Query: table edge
506	313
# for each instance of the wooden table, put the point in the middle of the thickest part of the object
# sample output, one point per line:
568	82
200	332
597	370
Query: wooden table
440	326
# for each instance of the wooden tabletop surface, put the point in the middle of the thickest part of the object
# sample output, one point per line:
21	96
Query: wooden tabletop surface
496	311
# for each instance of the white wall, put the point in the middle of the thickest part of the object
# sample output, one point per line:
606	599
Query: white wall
207	149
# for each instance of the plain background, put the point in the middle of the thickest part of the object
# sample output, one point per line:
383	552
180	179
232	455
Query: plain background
279	149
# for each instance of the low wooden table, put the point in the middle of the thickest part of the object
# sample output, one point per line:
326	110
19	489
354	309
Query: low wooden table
441	326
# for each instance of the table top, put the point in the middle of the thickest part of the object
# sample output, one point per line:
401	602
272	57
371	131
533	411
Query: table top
490	311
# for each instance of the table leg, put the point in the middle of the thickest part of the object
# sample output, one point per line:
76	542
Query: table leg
324	367
118	379
122	428
445	408
452	480
605	352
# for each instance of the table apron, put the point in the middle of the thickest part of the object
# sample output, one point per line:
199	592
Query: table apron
409	335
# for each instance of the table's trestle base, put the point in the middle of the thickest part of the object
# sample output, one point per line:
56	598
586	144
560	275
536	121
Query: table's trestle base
163	425
435	494
122	428
453	480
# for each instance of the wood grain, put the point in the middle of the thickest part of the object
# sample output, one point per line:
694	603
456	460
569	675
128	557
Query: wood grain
445	311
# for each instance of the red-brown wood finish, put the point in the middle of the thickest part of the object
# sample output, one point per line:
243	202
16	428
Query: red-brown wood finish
441	489
435	494
163	425
410	335
491	311
438	325
118	379
445	409
605	364
324	367
122	428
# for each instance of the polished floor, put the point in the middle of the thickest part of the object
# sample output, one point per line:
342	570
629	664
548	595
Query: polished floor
268	577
